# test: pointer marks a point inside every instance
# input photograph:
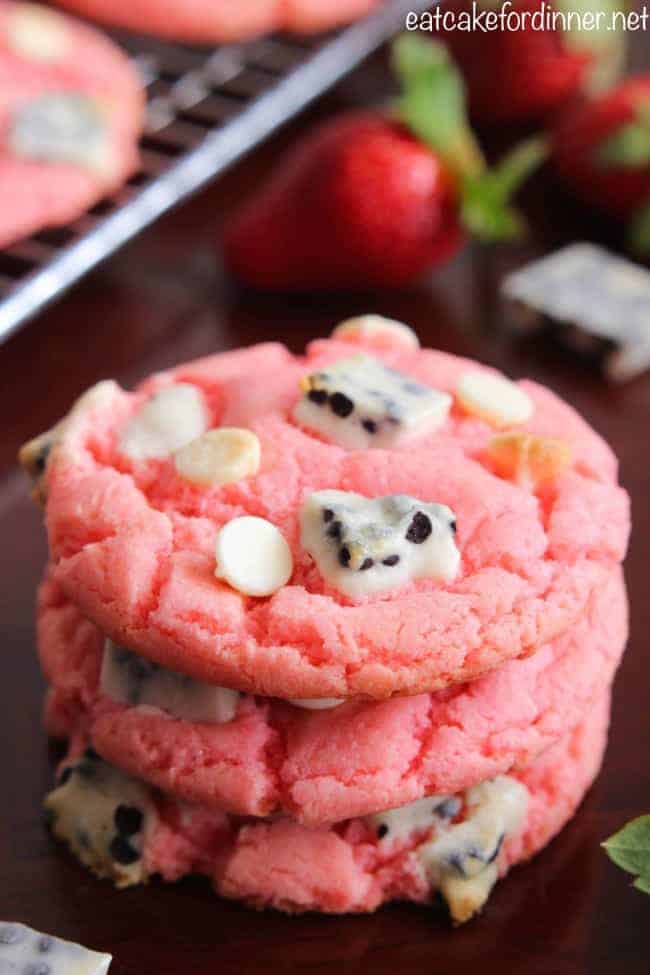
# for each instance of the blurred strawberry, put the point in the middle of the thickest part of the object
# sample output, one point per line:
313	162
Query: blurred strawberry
601	149
371	199
518	75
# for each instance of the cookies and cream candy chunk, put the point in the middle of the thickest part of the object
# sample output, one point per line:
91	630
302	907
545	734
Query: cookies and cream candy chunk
34	455
376	330
221	456
36	33
169	420
422	814
460	860
103	815
360	402
24	951
368	545
130	679
63	127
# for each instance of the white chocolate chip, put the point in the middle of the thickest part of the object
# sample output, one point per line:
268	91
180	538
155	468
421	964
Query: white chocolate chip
220	456
37	33
253	556
495	399
170	419
317	703
377	330
29	952
130	679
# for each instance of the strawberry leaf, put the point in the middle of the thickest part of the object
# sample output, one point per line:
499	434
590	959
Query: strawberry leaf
630	145
638	232
485	208
630	850
432	103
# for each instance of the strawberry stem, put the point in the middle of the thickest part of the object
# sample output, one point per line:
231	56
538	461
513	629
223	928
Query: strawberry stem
638	232
432	105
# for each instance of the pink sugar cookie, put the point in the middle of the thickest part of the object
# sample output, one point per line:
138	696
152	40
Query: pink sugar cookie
132	539
323	766
456	846
71	110
215	21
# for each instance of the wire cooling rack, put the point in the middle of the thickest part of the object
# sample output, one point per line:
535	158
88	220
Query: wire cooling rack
205	109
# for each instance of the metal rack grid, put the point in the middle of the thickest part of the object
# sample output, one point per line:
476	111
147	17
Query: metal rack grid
205	109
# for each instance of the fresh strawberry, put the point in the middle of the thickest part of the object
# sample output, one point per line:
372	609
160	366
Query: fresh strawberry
527	73
372	199
601	149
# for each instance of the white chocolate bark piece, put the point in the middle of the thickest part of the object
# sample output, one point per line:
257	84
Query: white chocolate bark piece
253	556
494	399
461	861
103	816
427	813
377	329
63	127
24	951
220	456
171	418
34	455
131	679
317	703
360	402
367	545
36	33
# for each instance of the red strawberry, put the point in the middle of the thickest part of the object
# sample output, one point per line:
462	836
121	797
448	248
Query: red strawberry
601	149
372	199
527	73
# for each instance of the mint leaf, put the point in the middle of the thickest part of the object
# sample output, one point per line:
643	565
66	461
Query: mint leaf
432	102
630	850
485	210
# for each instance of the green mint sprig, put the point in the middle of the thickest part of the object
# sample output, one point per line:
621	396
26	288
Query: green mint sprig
630	850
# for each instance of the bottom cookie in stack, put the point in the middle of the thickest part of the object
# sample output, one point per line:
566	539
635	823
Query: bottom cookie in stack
451	845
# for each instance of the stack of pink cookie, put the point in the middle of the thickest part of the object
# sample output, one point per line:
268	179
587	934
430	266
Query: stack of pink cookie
334	630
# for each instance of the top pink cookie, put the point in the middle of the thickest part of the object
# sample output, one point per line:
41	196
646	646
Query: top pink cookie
287	555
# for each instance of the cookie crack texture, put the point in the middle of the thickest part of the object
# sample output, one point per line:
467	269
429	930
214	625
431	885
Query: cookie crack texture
135	547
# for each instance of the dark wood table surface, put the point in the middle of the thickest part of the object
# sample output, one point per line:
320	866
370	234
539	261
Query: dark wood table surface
162	300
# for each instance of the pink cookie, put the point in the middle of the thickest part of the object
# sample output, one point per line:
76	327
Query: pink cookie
212	21
323	766
71	109
453	845
132	536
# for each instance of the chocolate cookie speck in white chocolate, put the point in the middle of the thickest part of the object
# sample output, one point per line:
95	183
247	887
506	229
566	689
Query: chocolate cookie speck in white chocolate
220	456
360	402
103	815
24	951
253	556
130	679
367	545
172	418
